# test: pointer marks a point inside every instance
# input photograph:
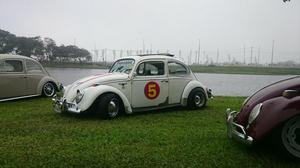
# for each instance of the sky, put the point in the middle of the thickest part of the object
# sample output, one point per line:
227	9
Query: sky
165	25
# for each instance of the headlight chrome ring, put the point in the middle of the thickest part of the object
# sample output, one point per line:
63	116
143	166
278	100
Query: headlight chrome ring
79	96
61	88
254	113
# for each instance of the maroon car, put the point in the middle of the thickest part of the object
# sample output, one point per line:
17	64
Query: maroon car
273	110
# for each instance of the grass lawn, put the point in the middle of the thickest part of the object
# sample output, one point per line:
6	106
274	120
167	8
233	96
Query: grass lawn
31	135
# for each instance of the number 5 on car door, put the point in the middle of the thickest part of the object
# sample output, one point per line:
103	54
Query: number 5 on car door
151	90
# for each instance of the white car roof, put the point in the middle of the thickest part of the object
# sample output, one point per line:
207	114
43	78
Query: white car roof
12	56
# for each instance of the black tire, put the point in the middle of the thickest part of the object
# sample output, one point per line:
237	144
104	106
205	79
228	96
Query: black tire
108	106
49	89
197	99
290	137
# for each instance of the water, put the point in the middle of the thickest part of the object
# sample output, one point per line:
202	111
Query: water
221	84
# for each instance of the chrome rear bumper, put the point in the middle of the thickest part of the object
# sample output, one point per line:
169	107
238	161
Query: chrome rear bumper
60	106
232	129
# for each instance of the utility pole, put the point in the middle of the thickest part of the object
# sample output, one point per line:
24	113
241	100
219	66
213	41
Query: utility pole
217	56
244	55
114	55
229	58
128	53
105	52
258	55
203	57
121	53
190	56
96	53
251	55
198	58
179	54
272	56
143	47
102	55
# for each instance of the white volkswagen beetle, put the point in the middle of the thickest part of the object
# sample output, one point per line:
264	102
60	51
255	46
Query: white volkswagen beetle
136	83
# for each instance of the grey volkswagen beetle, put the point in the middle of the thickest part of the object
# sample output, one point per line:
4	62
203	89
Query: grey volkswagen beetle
22	77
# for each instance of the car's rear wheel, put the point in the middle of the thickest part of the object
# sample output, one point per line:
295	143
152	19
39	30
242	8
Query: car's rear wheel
48	89
197	99
108	106
290	136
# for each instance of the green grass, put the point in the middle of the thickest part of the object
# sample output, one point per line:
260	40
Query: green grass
246	70
31	135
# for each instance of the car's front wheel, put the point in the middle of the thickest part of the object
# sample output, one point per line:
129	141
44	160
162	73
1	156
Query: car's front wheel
197	99
48	89
290	136
108	106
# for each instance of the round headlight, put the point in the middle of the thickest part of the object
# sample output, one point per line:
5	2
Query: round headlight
254	113
79	96
61	88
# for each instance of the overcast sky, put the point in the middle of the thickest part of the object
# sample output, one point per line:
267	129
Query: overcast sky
171	25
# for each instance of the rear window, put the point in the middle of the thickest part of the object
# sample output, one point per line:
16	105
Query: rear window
177	69
11	66
33	67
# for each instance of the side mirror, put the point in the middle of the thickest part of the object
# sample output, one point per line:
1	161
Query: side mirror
291	93
133	74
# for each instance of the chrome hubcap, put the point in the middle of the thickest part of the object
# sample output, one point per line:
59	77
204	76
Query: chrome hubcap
291	136
112	108
198	100
48	89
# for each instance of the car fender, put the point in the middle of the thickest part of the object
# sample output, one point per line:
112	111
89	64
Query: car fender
273	113
43	81
188	88
92	93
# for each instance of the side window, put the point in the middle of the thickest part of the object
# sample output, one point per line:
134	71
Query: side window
11	66
176	69
151	68
33	67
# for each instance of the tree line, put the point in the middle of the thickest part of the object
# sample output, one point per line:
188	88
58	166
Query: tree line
44	49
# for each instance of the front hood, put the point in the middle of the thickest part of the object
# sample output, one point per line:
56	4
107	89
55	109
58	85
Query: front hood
266	93
99	79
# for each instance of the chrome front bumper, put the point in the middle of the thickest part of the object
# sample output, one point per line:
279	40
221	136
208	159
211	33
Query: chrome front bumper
235	130
60	106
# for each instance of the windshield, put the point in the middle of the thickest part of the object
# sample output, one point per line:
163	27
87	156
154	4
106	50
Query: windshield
124	66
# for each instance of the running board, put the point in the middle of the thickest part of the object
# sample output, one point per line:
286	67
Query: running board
143	109
15	98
